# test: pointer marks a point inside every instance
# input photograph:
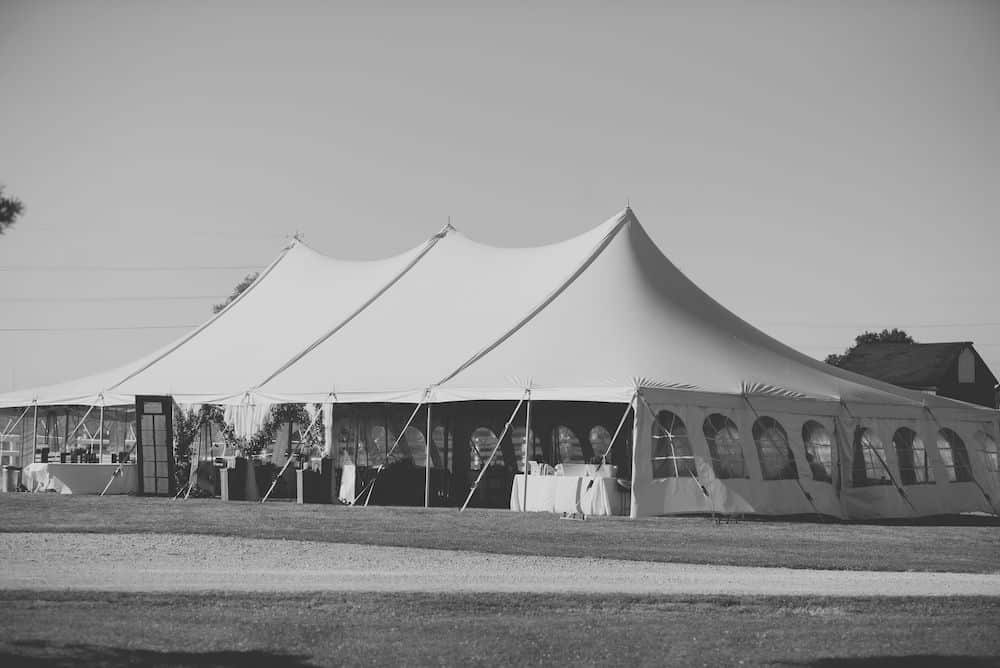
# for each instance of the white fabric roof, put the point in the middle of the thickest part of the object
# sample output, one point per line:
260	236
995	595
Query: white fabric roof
589	318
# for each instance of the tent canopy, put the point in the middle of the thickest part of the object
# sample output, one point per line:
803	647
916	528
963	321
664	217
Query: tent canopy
591	318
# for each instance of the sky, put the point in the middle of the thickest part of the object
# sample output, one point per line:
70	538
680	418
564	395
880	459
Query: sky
818	168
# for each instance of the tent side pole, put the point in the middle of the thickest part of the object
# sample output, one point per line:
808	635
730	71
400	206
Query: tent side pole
633	512
427	463
528	442
100	434
335	461
327	410
482	471
34	434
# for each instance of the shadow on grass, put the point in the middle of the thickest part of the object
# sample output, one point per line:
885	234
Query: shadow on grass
37	654
967	520
918	660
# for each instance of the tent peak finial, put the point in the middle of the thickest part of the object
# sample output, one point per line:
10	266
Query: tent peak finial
448	228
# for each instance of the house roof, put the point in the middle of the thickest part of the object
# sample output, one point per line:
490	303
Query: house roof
915	365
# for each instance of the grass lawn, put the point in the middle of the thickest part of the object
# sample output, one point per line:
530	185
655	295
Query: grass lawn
693	540
69	629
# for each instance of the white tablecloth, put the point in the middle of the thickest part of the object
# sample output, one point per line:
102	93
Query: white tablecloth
79	478
569	494
347	481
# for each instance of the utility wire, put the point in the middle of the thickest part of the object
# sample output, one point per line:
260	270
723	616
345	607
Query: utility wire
81	267
136	298
92	329
819	346
831	325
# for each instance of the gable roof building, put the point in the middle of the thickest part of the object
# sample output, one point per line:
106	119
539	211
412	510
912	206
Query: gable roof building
951	369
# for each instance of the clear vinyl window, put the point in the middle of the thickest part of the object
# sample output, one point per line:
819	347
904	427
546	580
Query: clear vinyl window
990	451
914	467
869	455
723	438
568	445
954	456
600	440
481	445
776	459
672	453
819	450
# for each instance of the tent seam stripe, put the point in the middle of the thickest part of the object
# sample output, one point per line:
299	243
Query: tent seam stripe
562	287
371	300
203	327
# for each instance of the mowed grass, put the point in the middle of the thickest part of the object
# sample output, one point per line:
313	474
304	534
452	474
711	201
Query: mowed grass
694	540
214	629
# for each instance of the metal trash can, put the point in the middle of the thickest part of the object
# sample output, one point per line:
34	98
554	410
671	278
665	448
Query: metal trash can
10	478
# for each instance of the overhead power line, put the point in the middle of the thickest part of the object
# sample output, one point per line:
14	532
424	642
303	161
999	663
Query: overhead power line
81	267
830	325
137	298
93	329
841	346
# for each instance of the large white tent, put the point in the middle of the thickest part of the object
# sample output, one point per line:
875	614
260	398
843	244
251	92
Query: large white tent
725	418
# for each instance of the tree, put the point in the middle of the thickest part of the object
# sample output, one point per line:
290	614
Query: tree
885	336
237	291
11	209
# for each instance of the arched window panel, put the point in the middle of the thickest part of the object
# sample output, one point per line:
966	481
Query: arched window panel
723	438
517	446
481	445
600	440
954	456
673	456
914	467
441	448
818	445
869	455
377	446
345	441
517	440
413	447
990	451
776	459
568	446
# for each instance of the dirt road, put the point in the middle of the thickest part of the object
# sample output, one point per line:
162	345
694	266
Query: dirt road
153	562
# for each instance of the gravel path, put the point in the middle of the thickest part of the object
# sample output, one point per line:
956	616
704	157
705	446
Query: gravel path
156	562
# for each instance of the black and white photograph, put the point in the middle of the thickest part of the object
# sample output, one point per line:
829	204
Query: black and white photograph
384	333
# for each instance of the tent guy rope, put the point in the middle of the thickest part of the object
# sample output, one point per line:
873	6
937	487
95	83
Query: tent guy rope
486	466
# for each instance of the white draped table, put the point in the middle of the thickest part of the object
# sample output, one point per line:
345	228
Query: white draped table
570	494
79	478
